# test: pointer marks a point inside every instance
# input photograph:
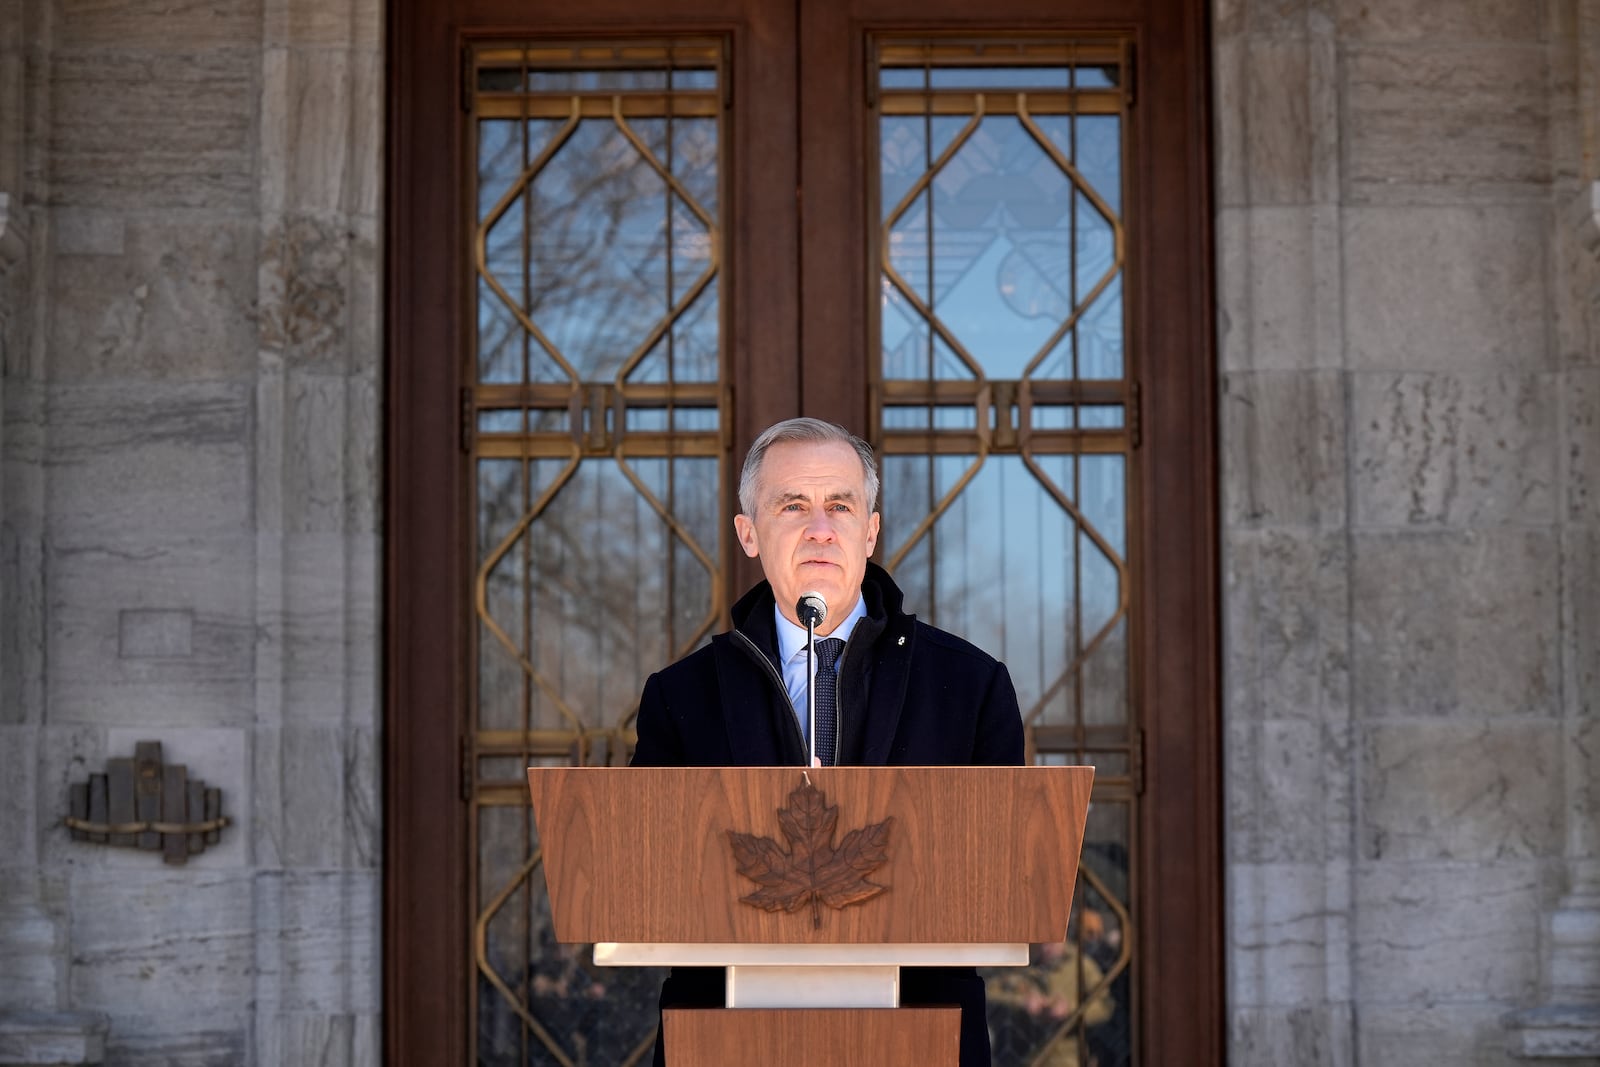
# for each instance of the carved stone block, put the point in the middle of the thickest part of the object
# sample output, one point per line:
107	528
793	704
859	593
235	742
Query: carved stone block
1461	791
1449	449
1460	624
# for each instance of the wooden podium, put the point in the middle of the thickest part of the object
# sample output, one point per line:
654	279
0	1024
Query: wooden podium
813	886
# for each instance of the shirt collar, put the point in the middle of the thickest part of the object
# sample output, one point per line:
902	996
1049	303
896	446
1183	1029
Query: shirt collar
792	638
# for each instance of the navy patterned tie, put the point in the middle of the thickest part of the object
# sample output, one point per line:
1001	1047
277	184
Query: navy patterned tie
828	652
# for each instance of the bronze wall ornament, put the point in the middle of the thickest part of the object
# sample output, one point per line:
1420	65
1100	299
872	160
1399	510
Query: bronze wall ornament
812	870
143	803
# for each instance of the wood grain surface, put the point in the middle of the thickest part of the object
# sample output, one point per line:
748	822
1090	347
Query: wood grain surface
806	1037
977	854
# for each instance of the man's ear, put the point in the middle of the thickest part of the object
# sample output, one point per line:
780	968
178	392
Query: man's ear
872	533
745	527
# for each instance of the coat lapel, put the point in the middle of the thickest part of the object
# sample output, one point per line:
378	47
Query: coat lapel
887	696
746	706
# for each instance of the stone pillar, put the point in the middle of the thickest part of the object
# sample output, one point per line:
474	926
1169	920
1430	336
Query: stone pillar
1564	1024
1287	557
316	368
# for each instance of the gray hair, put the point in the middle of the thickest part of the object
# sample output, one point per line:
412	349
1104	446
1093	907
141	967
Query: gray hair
809	431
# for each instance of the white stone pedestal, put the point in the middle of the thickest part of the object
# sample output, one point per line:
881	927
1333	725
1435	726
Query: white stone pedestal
811	976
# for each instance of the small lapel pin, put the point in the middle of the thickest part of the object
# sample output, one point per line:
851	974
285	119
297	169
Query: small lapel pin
902	640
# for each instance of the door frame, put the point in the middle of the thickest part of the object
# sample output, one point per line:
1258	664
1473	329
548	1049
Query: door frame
1181	953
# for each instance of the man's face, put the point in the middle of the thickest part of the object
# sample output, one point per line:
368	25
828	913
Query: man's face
811	529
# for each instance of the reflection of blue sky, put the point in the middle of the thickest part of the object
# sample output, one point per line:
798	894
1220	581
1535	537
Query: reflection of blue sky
1030	78
1006	565
1016	246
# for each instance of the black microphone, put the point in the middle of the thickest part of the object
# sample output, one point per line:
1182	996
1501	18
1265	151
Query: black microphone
811	609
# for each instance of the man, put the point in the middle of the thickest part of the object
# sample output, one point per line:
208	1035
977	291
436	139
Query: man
907	693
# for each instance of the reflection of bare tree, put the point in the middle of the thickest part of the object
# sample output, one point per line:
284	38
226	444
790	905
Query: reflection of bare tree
596	249
1007	568
611	593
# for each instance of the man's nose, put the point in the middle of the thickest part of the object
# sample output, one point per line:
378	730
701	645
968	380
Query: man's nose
820	527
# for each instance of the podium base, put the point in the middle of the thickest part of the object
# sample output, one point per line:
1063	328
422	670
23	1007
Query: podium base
806	1037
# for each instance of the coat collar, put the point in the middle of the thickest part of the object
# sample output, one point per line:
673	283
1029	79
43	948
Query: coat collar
877	670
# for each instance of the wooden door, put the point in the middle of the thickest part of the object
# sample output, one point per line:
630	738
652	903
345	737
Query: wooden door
625	238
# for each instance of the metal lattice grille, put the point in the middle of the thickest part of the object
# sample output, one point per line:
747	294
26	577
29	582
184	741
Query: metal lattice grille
1005	415
596	423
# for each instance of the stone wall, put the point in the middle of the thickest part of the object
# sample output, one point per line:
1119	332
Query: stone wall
1409	285
190	548
1408	348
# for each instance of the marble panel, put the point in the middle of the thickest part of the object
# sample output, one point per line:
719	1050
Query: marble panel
1283	447
1427	933
90	677
32	939
145	941
362	454
1580	440
363	795
315	453
1453	449
1276	18
354	24
51	1038
1288	934
1308	1036
87	232
1583	789
22	434
171	460
1427	22
366	297
21	553
316	944
1442	123
140	131
174	301
1279	284
312	1039
1446	288
1461	790
210	1043
302	815
150	633
178	25
317	634
22	634
1410	1034
1463	624
19	826
1575	269
305	276
1289	794
1286	621
1268	91
321	131
1581	589
66	755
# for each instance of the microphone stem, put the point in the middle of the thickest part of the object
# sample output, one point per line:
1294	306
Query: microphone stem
811	690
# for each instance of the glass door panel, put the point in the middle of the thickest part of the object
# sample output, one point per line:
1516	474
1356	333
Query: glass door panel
597	421
1002	402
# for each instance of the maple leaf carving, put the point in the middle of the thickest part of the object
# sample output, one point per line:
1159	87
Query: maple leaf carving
813	870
